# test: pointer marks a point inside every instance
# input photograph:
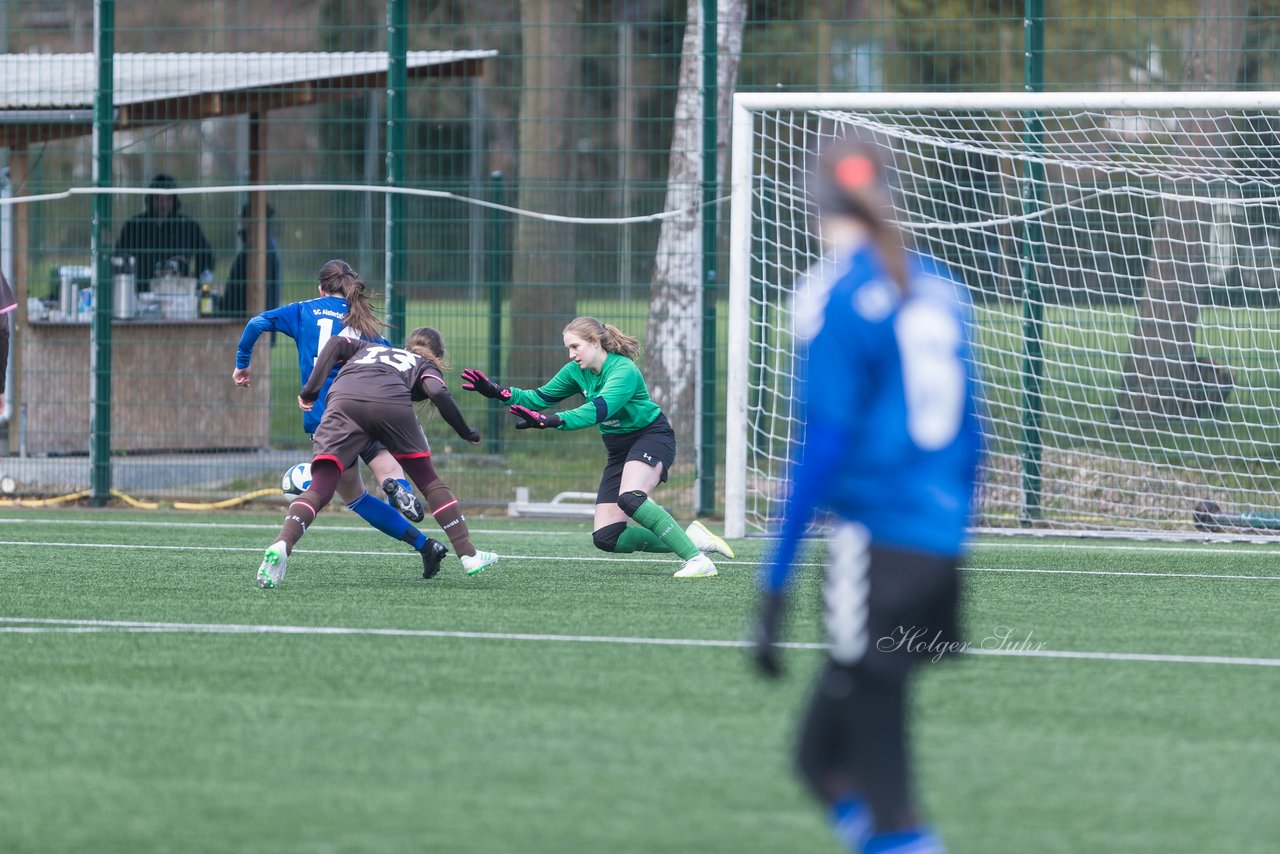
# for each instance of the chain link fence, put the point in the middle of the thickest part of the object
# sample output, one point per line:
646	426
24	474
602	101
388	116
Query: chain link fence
550	158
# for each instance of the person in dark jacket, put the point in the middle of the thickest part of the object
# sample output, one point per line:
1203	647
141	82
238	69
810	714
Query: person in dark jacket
162	234
235	295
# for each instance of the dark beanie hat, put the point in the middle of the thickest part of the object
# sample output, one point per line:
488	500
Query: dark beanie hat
164	181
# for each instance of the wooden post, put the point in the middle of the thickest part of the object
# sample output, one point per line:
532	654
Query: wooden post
256	298
18	172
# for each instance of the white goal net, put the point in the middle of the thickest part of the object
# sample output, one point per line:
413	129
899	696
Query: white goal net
1122	253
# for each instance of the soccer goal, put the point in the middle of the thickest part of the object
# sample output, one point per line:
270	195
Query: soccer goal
1122	254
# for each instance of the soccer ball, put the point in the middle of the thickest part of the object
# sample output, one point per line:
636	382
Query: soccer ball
296	479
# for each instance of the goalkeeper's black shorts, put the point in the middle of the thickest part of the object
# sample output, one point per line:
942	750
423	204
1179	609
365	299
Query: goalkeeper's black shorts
650	445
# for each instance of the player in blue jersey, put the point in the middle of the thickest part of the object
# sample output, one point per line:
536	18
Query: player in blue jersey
343	309
891	450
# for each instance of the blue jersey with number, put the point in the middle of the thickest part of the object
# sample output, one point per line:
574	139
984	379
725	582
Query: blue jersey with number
889	401
310	324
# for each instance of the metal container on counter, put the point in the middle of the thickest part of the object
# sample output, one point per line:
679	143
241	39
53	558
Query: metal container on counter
70	279
124	287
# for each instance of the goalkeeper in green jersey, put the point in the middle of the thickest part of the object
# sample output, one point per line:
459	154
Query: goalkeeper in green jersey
638	438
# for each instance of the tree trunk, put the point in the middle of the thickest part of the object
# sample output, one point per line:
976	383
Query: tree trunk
672	353
1164	378
542	295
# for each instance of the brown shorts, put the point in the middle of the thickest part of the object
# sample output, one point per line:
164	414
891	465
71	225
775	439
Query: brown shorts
349	425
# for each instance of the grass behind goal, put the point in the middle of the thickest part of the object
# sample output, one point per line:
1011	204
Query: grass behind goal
208	738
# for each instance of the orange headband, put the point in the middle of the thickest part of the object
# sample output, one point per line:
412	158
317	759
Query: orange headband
855	172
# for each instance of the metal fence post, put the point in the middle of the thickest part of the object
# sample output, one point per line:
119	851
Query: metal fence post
397	117
707	453
1031	247
100	344
495	278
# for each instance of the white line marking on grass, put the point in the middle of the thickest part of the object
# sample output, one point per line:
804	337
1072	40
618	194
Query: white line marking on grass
1135	547
1127	656
1193	548
31	625
265	526
616	559
305	551
54	624
1108	572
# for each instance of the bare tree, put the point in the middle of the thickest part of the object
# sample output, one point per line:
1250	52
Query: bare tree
673	362
1163	375
542	296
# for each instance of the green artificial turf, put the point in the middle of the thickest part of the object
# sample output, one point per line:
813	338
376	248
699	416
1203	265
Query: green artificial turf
181	739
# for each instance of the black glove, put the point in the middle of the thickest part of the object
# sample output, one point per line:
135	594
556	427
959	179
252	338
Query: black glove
474	436
529	418
473	380
764	635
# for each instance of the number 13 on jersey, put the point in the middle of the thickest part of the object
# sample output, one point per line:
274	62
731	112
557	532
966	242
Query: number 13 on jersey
401	360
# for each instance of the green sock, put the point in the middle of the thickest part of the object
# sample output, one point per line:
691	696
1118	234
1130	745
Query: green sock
659	521
635	539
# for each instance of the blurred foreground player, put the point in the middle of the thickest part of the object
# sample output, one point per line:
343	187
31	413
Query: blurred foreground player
891	449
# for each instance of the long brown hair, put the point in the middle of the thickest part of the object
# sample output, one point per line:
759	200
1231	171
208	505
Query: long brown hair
338	279
610	337
850	183
429	344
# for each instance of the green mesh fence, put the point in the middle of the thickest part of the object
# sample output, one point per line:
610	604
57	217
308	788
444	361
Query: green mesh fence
565	112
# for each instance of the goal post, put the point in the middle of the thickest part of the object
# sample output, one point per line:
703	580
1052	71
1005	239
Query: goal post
1140	230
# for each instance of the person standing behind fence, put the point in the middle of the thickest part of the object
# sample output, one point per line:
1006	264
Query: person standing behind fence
638	439
235	294
891	448
161	234
8	306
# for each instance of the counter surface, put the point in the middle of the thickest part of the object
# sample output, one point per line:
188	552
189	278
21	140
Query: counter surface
171	387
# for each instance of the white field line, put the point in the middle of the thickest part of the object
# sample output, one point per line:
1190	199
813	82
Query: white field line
1131	547
33	625
265	526
257	550
617	559
1003	543
1108	572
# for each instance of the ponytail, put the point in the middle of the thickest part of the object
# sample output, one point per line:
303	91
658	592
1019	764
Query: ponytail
429	344
887	238
338	279
850	184
616	341
611	338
